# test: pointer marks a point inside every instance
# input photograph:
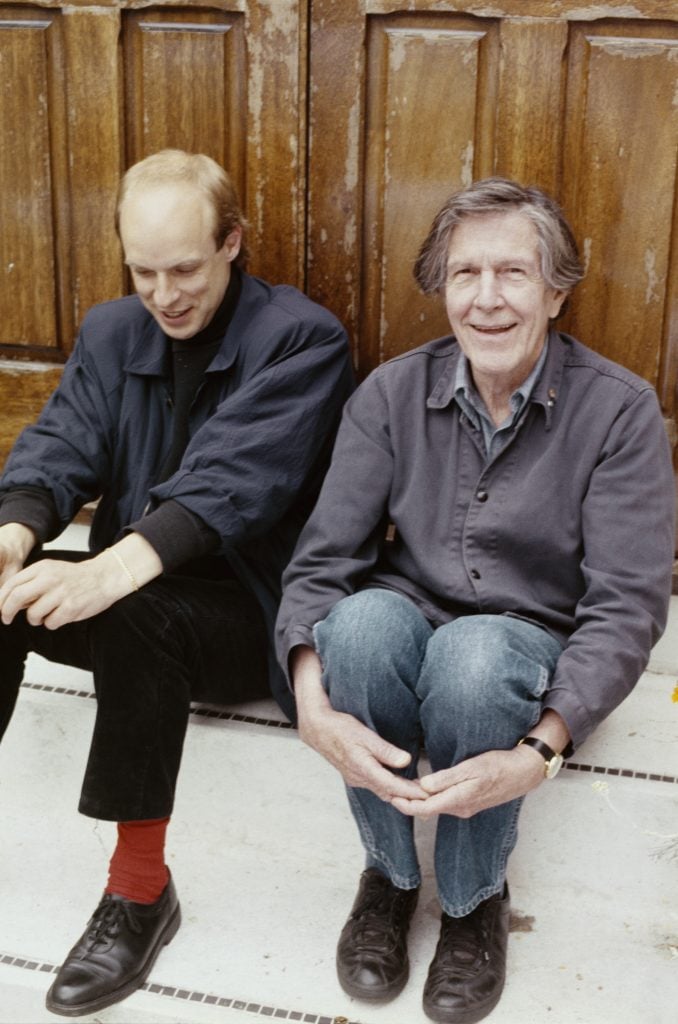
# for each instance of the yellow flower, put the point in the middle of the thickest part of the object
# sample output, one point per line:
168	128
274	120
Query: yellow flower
674	695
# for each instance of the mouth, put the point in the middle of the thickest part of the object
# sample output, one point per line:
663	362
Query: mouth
493	330
174	316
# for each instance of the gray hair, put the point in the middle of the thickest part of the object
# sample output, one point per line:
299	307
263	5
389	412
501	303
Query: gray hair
176	167
561	267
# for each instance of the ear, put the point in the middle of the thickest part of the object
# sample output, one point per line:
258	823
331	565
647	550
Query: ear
232	243
556	303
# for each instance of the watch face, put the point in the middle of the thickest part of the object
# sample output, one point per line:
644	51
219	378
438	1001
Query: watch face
553	766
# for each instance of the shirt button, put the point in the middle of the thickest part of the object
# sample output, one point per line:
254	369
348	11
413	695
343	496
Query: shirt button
474	574
482	495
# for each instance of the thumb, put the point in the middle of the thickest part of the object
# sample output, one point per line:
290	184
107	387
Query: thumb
438	781
390	755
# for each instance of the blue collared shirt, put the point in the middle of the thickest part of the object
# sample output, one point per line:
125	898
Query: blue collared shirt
470	402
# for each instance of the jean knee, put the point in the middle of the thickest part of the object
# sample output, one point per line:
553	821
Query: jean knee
483	656
370	624
370	642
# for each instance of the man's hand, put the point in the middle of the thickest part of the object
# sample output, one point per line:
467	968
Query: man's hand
487	780
53	593
16	543
363	759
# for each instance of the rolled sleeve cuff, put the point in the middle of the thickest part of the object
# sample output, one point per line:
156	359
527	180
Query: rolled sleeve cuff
297	636
575	716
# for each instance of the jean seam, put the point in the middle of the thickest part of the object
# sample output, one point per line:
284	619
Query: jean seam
367	838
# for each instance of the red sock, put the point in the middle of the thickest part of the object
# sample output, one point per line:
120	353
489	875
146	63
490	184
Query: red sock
137	870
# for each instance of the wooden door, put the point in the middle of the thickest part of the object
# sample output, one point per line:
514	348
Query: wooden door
410	100
86	89
407	99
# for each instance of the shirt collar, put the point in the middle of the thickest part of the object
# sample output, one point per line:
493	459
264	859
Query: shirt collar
466	394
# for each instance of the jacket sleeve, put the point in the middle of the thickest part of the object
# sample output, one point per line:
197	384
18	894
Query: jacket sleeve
628	543
67	452
32	507
252	458
341	541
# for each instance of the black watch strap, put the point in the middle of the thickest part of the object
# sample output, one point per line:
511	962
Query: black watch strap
542	748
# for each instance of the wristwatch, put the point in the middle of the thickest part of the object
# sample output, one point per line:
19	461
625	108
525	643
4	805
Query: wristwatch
552	761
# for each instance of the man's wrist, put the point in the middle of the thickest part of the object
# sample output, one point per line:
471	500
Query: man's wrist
129	565
19	538
552	761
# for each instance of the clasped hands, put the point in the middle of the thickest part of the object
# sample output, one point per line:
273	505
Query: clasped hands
365	760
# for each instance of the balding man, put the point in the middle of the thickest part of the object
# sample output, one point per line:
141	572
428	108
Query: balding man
201	412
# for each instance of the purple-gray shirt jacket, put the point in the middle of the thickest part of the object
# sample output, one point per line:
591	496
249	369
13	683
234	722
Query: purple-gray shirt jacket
570	525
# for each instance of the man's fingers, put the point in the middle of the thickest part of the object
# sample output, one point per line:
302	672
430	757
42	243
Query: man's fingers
417	808
388	754
380	780
436	782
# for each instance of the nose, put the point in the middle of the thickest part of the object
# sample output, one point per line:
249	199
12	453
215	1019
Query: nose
488	293
166	291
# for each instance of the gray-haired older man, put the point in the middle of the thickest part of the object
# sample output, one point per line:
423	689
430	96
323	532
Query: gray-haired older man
525	577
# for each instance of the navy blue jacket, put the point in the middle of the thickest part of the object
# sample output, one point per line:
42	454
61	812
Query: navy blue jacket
261	430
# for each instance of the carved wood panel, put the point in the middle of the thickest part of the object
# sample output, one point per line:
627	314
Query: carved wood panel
410	100
31	56
407	100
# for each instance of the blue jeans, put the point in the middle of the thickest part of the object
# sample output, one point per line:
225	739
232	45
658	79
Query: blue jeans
472	685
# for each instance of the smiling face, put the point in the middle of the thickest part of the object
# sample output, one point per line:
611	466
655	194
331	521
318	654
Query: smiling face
497	302
167	233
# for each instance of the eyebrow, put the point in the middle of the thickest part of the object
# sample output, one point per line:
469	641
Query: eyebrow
498	265
196	262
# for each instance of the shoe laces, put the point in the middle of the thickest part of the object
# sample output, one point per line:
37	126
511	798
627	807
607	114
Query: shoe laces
462	946
108	918
376	918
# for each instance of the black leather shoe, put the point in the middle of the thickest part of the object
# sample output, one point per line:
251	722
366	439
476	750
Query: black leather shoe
372	960
467	973
115	954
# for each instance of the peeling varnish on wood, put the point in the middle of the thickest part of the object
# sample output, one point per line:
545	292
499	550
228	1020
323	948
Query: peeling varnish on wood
16	368
277	27
588	243
467	164
383	321
633	48
651	293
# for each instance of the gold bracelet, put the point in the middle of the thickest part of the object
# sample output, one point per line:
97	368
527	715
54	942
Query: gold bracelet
125	568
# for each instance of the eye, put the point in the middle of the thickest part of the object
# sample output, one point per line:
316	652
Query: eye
187	269
141	272
514	273
460	276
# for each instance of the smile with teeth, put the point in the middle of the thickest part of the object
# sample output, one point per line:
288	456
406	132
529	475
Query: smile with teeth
492	329
175	314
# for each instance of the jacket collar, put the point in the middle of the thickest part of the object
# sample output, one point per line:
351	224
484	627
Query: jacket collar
544	393
150	356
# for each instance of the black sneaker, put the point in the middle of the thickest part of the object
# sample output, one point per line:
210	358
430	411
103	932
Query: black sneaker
372	961
467	973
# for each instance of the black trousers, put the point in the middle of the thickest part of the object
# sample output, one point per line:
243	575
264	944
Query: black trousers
178	639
